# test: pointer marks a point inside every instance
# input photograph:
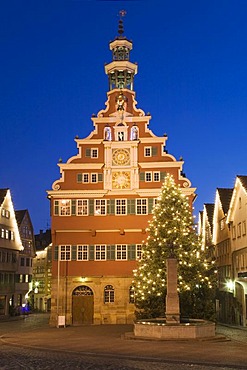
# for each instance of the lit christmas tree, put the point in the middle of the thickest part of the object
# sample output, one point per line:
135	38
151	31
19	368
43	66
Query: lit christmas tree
172	234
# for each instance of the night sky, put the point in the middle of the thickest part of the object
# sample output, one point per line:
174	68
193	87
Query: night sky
192	78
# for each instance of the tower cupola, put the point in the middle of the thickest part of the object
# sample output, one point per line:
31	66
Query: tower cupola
121	71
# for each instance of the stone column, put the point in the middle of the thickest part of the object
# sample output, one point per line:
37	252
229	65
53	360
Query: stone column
172	299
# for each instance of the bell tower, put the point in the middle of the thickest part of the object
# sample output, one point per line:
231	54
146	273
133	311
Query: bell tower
121	71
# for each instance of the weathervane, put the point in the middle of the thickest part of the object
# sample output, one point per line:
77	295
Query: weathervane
122	14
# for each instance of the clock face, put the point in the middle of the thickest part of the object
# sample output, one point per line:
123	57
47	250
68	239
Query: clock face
121	157
121	180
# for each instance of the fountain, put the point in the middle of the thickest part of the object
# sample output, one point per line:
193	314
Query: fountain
172	327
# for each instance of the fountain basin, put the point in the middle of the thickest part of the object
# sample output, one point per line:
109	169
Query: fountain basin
158	329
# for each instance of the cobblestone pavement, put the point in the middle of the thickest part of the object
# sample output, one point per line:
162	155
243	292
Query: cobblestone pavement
12	358
31	344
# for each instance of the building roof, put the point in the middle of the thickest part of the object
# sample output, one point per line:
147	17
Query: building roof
225	195
243	180
210	212
20	215
3	193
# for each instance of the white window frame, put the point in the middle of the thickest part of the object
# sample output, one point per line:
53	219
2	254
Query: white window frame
138	251
141	206
92	178
65	252
83	207
109	294
148	176
100	252
120	207
85	178
94	152
155	175
82	253
121	252
147	151
65	204
100	207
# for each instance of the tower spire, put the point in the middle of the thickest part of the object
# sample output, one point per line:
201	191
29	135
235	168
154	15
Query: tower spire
121	71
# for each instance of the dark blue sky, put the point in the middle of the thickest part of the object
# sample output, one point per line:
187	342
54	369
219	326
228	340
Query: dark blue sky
192	60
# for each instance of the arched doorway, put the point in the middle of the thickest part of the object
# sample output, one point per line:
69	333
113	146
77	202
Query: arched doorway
82	305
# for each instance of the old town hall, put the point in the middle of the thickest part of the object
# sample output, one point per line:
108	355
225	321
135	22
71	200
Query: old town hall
101	204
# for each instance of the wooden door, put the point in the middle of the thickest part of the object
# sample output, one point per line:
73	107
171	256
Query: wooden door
82	307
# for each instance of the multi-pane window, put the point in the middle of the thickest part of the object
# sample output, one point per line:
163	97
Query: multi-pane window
94	177
5	213
109	294
82	252
82	207
148	176
138	251
100	252
121	252
239	229
64	207
156	176
100	207
234	232
94	153
85	177
141	206
121	206
147	151
65	252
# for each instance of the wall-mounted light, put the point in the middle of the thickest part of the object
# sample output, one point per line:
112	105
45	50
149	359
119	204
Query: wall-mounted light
230	285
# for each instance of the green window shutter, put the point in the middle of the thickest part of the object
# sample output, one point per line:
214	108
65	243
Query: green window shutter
131	206
55	252
111	206
88	152
79	177
73	252
111	252
100	177
91	207
142	176
150	204
56	207
131	252
162	175
73	207
154	151
91	252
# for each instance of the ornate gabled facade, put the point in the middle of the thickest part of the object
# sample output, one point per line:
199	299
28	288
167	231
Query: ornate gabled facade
10	248
102	202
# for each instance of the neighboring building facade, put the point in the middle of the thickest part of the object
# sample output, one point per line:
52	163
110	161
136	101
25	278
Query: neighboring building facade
10	248
102	202
25	266
42	266
229	240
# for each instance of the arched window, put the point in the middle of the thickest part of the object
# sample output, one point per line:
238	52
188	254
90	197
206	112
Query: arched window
134	133
131	294
109	295
107	133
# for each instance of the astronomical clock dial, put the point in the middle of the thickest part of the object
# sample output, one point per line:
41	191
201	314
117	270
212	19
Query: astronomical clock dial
121	180
121	157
